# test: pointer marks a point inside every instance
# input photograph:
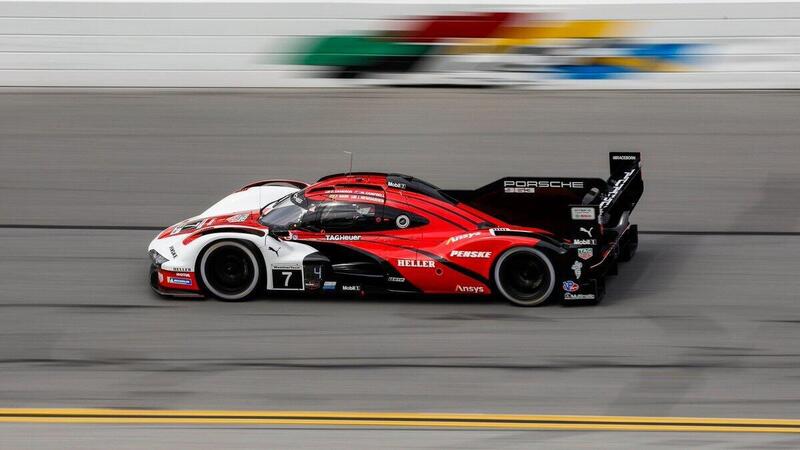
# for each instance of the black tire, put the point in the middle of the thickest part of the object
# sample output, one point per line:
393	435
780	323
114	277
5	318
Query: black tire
524	276
231	271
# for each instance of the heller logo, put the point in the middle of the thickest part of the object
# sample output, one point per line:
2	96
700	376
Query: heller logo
425	264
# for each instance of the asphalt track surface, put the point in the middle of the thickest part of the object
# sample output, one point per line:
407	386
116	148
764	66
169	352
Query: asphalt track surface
703	323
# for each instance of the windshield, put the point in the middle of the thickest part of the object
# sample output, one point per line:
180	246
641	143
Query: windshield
283	213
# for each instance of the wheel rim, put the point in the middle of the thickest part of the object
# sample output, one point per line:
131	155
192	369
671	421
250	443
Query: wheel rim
229	270
525	276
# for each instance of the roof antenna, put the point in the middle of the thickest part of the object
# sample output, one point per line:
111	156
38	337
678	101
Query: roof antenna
351	162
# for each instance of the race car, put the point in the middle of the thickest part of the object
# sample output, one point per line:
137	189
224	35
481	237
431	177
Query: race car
524	239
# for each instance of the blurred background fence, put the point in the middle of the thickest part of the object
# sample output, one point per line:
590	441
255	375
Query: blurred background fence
549	44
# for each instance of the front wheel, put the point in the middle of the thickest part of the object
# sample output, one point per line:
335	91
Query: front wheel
524	276
230	271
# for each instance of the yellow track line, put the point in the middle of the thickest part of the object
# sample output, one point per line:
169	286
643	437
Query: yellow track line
408	420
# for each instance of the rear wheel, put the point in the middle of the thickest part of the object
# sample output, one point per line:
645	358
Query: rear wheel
230	270
524	276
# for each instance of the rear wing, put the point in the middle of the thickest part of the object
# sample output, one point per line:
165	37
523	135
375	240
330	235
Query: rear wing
608	211
549	203
625	187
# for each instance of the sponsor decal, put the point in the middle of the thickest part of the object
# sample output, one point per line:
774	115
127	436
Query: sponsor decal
588	231
396	279
292	236
351	288
585	253
187	226
356	197
329	286
275	250
182	281
425	264
402	221
183	274
470	289
583	213
584	242
287	277
342	237
569	296
529	186
461	237
180	269
612	194
397	185
470	254
172	251
494	231
160	277
576	268
570	286
238	218
623	158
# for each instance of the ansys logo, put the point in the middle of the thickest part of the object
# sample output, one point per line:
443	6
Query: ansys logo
497	46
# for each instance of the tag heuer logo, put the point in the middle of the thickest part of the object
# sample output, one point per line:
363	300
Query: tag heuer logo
585	253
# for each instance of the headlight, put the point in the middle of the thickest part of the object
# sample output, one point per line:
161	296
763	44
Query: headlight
157	258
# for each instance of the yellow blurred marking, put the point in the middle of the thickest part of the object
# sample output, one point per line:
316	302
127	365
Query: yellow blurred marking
540	33
408	420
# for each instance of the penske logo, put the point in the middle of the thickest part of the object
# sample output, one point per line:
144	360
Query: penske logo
469	254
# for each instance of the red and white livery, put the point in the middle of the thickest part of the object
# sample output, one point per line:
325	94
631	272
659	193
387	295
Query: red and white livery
526	239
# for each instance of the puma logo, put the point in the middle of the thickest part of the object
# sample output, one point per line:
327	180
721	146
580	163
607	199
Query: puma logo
276	251
588	232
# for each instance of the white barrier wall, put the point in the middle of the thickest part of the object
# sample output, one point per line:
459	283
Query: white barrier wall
548	44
